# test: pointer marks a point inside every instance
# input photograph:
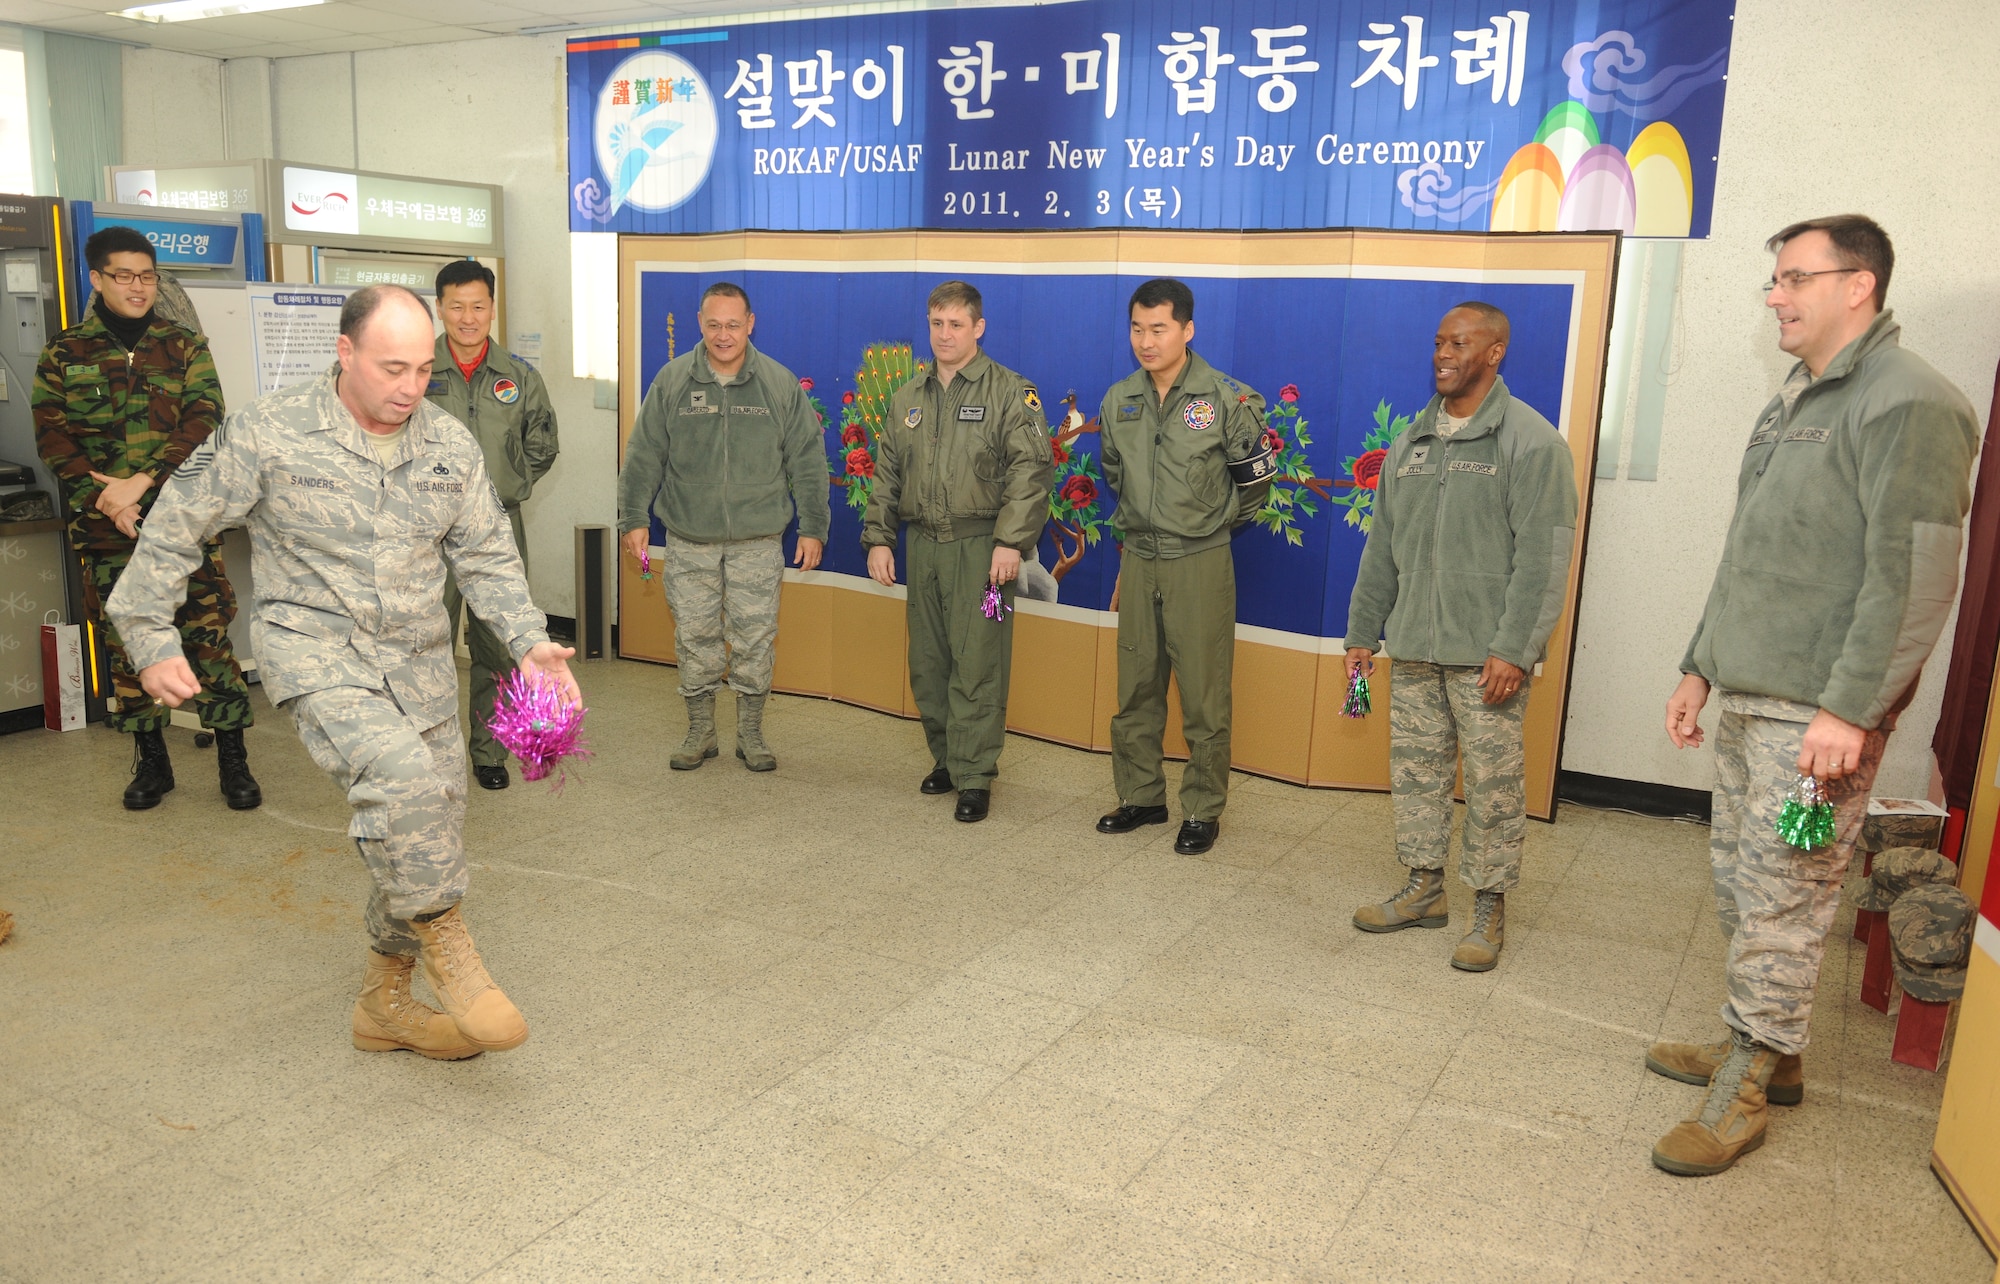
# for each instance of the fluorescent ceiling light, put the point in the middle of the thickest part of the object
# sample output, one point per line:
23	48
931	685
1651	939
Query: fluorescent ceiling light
189	10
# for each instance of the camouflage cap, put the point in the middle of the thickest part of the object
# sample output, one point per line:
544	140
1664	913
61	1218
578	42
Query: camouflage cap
1930	930
1898	870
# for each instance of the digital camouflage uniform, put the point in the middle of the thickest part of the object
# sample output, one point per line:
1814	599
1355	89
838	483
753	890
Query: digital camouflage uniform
1177	505
723	464
969	467
99	408
506	408
350	557
1467	557
1839	569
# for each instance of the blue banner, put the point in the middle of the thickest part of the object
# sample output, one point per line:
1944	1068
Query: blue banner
179	244
1429	114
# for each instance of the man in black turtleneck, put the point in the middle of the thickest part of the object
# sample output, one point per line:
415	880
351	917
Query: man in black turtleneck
121	399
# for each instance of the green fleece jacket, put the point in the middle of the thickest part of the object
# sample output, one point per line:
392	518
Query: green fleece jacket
725	459
1469	550
1842	558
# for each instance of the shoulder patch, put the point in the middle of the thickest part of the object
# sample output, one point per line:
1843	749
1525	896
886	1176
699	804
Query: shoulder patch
1034	400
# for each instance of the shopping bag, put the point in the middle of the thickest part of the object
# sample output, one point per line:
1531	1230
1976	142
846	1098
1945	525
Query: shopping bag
62	674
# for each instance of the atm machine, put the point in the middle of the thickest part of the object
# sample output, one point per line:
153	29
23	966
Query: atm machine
38	299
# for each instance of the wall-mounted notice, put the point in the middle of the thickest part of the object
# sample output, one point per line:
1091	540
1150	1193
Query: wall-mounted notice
293	330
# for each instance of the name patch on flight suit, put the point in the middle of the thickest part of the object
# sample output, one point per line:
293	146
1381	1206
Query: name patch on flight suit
1472	466
1128	412
972	414
435	388
1199	414
1807	434
506	391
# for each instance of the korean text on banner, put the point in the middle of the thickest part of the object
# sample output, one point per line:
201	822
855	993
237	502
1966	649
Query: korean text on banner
1559	115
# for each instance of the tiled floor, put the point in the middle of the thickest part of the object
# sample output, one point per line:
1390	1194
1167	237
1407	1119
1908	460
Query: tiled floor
804	1027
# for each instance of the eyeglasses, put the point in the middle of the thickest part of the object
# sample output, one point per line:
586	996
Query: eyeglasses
123	277
1792	280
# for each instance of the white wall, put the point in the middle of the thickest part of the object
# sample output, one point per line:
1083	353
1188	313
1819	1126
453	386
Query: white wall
488	111
1833	105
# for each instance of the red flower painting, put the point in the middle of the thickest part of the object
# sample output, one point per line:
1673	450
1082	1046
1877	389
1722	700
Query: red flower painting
1078	491
1368	468
860	463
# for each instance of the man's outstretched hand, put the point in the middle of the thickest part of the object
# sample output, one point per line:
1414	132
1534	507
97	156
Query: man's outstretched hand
550	661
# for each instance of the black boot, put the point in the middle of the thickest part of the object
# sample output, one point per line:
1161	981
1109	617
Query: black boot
239	787
152	773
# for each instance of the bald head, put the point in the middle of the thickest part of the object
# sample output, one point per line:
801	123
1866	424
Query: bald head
1490	318
386	347
1466	355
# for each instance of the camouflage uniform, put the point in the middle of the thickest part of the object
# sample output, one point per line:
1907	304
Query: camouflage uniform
1838	572
506	408
724	597
724	462
1437	712
1467	558
99	408
1774	901
348	622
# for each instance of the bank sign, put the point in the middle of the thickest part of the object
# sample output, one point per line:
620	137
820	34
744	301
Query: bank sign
1449	114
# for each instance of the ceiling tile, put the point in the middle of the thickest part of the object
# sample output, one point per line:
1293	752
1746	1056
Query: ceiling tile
357	19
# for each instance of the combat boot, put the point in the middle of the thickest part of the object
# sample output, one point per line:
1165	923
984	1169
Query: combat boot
699	746
1421	903
1480	950
1730	1121
1696	1063
239	787
152	772
485	1017
387	1016
750	734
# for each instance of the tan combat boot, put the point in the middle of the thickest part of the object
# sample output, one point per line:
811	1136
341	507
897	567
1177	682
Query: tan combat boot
700	745
485	1016
1696	1063
1480	950
387	1016
1421	903
750	734
1730	1121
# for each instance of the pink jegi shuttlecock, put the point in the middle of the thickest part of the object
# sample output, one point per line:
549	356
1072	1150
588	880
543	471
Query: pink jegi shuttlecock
995	606
534	721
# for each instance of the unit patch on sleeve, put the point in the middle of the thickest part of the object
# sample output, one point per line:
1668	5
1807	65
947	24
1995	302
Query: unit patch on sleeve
1034	401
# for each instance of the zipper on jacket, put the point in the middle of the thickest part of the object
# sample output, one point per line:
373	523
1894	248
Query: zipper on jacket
1437	536
728	523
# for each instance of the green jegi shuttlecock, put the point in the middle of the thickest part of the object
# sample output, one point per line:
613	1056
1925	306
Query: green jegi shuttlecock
1806	819
1357	694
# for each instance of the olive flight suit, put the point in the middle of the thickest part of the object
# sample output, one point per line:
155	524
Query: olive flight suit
968	466
1168	461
